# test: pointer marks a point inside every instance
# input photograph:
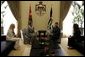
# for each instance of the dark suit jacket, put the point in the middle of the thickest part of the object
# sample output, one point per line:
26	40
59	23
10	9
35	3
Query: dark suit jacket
56	32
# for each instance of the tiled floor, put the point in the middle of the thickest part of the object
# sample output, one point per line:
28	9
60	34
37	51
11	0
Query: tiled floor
24	50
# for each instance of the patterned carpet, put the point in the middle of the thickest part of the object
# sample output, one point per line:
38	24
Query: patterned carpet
37	49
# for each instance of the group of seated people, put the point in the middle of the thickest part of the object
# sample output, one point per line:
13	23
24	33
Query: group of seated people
30	34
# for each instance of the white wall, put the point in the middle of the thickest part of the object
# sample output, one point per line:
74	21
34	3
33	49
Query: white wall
39	22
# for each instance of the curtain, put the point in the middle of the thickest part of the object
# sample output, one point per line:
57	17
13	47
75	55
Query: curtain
64	8
14	6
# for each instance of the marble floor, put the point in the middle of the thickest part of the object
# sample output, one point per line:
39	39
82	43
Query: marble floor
69	52
24	49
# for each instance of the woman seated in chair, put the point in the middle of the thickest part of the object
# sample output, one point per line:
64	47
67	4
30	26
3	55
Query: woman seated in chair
76	35
12	37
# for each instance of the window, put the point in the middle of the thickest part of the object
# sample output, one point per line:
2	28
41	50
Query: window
7	18
75	15
78	14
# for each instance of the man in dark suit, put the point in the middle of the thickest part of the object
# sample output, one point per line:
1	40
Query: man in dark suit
55	32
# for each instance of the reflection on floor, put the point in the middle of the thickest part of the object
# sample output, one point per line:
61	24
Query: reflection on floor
69	52
24	50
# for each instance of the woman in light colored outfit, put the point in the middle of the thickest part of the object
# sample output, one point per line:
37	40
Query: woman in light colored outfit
12	37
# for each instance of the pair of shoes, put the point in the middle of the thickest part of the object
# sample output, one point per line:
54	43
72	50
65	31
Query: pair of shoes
70	47
30	43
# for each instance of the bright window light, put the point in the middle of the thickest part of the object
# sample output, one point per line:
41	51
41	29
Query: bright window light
68	21
8	18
